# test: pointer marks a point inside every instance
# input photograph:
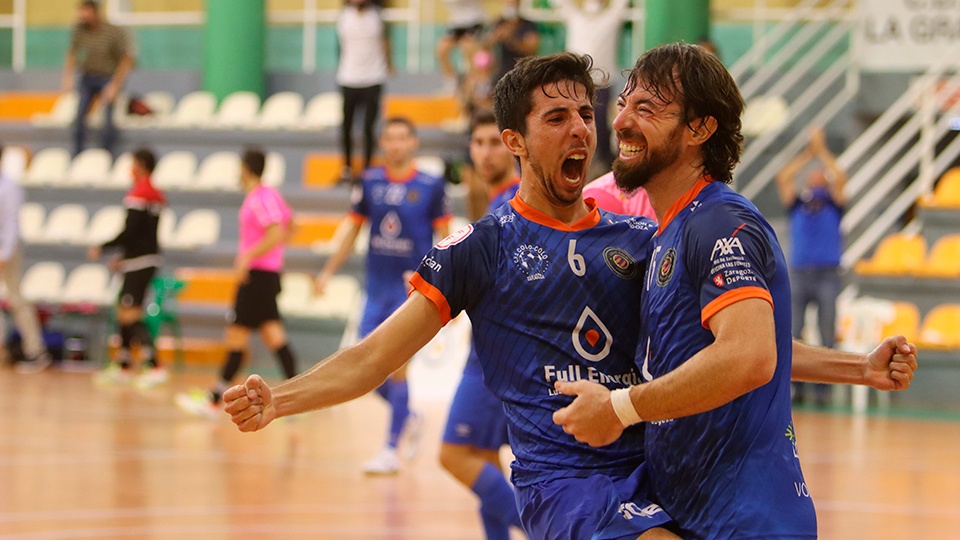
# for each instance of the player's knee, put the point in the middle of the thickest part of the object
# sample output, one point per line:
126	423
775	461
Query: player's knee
450	456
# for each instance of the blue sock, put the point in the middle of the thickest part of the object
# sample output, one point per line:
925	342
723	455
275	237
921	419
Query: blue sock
399	394
498	506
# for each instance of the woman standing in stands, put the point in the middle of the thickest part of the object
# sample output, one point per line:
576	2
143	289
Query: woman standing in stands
363	69
265	226
138	258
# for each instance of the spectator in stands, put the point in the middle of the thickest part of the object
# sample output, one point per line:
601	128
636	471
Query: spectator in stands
405	207
35	356
265	228
816	243
364	66
103	55
466	19
594	28
511	38
138	259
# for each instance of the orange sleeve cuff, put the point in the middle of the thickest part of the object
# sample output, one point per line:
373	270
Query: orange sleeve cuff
433	294
355	217
732	297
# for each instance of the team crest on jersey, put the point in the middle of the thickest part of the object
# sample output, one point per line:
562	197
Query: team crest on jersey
456	237
390	227
667	265
719	281
532	261
621	263
591	338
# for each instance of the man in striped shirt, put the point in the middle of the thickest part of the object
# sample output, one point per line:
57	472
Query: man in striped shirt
102	56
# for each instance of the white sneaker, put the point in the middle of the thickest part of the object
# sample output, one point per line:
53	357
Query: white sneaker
35	365
197	403
151	378
386	462
412	433
113	374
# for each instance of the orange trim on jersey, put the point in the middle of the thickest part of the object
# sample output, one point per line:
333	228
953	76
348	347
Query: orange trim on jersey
434	295
356	217
403	178
536	216
442	220
682	202
502	189
729	298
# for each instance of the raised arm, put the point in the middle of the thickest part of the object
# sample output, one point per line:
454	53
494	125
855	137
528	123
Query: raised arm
836	177
786	178
346	375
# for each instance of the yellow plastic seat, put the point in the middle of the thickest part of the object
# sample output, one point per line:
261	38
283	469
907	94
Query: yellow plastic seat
897	254
943	261
905	322
941	328
947	192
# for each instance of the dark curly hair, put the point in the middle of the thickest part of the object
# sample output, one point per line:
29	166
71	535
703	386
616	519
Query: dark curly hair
697	80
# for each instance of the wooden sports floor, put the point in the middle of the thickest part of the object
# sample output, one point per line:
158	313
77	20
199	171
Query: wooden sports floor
79	461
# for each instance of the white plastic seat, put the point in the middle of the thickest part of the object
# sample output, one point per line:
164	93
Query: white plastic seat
161	104
220	171
62	114
338	299
175	170
197	228
43	282
121	173
275	169
91	167
66	224
14	162
280	111
167	227
87	283
323	111
237	110
104	225
432	165
31	222
48	167
296	292
193	110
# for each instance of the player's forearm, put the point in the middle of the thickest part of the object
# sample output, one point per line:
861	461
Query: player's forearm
343	251
816	364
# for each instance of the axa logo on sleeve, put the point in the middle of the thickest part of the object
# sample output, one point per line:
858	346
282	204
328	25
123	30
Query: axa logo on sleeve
726	246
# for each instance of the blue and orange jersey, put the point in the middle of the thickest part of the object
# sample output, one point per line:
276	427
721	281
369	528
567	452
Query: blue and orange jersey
548	302
403	213
732	472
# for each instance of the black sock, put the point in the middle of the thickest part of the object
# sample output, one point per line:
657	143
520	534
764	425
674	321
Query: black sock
230	370
287	361
140	334
124	353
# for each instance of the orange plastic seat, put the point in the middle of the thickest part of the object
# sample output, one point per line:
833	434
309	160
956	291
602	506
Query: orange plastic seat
941	328
206	285
947	192
905	322
312	228
321	170
897	254
943	261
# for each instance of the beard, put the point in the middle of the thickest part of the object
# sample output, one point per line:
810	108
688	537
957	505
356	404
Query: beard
631	177
553	192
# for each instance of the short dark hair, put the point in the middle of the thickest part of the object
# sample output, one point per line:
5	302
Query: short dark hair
513	95
146	158
697	80
403	121
92	4
254	160
482	117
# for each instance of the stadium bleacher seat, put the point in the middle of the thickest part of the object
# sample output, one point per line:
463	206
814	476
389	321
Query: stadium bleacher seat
121	173
309	229
275	169
66	224
220	171
905	320
422	110
197	228
432	165
943	261
62	114
297	296
897	254
32	216
321	170
13	163
237	110
763	114
104	225
194	109
161	104
946	194
48	167
43	282
166	229
282	110
175	170
941	328
206	285
323	111
88	283
89	168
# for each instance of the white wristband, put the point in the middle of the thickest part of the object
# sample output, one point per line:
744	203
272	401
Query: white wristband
623	406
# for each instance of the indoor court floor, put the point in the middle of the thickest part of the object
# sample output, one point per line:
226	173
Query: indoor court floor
80	461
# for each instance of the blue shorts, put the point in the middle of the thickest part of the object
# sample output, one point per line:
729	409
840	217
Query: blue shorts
476	415
597	507
377	310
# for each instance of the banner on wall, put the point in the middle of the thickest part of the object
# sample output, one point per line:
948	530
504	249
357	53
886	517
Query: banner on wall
906	35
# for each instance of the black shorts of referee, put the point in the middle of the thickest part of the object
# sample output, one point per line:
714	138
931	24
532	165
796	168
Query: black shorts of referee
135	284
256	301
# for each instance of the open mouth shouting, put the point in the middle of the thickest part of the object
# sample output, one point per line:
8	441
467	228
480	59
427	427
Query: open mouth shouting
574	167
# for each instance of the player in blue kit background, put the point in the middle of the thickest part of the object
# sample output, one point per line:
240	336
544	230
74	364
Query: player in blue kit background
476	425
404	207
716	352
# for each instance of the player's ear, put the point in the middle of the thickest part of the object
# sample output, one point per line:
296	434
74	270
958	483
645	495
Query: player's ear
702	129
514	142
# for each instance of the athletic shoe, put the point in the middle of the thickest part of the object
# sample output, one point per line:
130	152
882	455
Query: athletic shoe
151	378
412	433
197	403
36	365
386	462
113	374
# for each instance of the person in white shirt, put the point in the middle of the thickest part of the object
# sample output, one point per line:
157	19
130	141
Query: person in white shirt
363	69
35	353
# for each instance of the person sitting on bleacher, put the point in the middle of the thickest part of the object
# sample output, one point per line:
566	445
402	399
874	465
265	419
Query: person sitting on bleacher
138	260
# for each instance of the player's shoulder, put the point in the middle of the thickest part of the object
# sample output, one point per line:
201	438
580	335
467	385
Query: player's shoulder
428	179
718	203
